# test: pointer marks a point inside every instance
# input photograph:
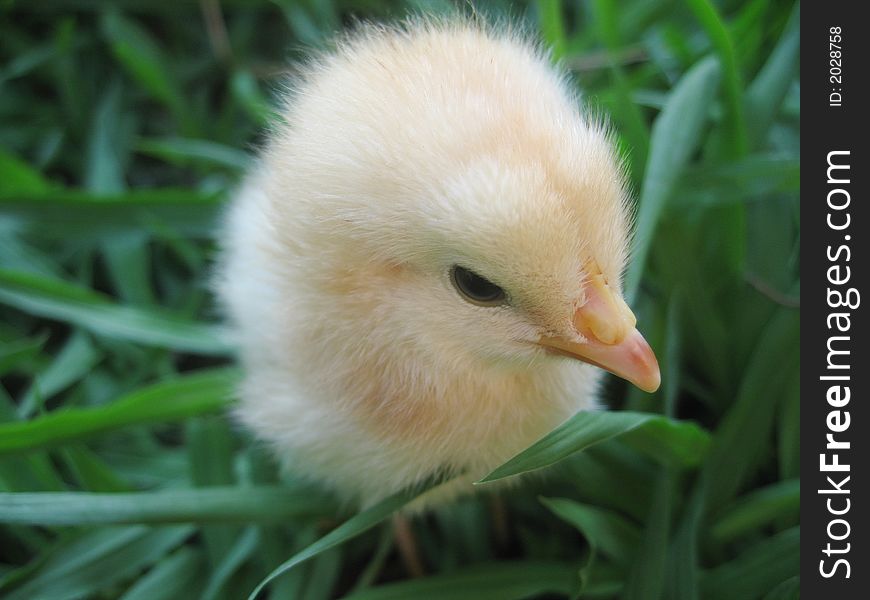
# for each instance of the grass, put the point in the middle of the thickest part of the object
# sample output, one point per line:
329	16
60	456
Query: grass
123	128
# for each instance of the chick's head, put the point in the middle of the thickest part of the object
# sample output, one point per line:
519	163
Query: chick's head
450	197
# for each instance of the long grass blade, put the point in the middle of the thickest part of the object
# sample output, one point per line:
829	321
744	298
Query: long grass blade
92	577
205	505
757	570
757	509
170	579
54	298
348	530
74	214
604	529
646	576
586	429
185	396
768	90
712	22
676	134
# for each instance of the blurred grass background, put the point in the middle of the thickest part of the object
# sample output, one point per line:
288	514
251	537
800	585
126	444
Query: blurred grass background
123	128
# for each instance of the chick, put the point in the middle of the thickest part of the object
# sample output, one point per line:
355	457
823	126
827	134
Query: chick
426	263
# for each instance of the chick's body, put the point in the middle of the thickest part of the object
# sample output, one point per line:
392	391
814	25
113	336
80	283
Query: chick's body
402	154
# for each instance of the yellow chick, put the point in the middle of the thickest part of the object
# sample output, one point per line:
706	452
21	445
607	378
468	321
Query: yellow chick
426	263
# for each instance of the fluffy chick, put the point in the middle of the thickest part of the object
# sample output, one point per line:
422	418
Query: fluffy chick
432	236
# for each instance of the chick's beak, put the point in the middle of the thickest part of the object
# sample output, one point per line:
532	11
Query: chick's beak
612	341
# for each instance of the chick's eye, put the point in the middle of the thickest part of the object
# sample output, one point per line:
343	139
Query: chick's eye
475	288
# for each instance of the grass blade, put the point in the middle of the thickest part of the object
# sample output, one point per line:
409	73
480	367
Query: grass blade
19	354
767	92
757	570
210	451
75	360
245	545
718	33
185	396
348	530
646	577
128	260
73	213
682	569
675	137
76	552
757	509
89	470
203	505
107	147
57	299
144	60
185	151
604	478
603	529
103	573
588	428
552	26
324	572
17	255
376	563
18	176
672	443
626	111
741	440
171	578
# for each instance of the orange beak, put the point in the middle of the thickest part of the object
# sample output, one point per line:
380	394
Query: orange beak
613	343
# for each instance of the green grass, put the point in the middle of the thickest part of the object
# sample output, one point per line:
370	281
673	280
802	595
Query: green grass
123	128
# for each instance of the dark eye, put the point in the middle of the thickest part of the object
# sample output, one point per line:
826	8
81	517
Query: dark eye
475	288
